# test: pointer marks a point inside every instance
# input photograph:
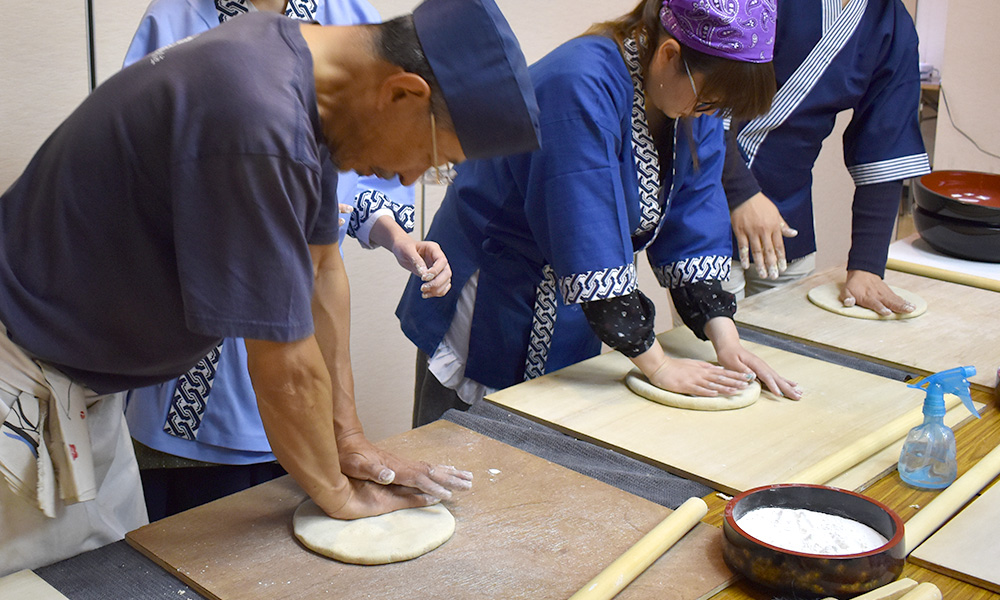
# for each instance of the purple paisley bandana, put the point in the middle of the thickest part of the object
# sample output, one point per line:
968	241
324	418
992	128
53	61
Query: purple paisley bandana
736	29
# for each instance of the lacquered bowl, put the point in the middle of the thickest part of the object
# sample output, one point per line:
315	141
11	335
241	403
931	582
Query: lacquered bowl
813	575
967	195
962	238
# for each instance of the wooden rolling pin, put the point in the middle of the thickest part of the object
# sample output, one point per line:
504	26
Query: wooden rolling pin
948	502
865	447
943	274
924	591
890	591
636	559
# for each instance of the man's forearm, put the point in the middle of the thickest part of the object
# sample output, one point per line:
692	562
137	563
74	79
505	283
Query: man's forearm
293	396
331	308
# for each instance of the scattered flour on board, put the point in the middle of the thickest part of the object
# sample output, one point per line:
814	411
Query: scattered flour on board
809	531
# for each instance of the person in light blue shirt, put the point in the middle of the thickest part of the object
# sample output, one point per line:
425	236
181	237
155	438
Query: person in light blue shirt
200	437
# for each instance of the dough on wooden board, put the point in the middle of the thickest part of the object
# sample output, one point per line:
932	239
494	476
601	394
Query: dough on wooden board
638	383
828	296
392	537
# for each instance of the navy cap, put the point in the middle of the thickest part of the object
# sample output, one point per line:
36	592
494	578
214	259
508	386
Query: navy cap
482	73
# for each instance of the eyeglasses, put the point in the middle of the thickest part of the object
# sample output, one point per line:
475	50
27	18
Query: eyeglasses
437	175
699	107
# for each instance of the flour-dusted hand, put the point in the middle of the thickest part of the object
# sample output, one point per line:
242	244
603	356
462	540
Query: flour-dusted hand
738	358
361	459
732	355
426	260
345	209
364	498
760	231
870	291
697	378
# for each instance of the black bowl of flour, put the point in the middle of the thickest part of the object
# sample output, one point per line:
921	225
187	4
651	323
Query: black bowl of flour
812	540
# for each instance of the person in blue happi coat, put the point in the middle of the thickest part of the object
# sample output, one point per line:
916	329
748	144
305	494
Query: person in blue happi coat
830	56
542	245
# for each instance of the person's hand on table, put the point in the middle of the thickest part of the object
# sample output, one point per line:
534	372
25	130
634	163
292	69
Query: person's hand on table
737	358
760	231
360	459
697	378
868	290
416	256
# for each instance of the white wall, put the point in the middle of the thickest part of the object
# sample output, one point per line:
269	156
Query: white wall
43	76
970	78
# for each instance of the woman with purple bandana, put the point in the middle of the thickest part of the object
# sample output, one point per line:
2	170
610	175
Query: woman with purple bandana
542	245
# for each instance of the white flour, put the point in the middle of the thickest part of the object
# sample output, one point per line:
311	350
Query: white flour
809	531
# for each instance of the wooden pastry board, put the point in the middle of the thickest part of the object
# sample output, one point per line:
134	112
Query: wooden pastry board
966	547
27	584
528	529
732	450
961	325
913	255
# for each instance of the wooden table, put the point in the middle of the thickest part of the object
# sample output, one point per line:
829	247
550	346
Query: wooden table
528	529
960	326
974	441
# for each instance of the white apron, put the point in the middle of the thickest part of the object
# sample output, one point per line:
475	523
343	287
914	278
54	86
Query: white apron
68	477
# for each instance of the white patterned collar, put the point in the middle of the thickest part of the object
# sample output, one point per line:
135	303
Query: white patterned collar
647	158
304	10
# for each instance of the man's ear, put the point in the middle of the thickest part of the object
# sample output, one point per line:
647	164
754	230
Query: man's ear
403	87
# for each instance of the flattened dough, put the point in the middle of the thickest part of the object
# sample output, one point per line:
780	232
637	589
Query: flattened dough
638	383
828	296
388	538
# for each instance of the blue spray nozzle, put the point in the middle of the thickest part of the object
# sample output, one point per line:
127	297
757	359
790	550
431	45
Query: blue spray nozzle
953	381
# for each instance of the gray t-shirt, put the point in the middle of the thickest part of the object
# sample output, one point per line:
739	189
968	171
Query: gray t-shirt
173	208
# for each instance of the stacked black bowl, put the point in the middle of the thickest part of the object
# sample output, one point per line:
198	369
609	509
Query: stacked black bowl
958	213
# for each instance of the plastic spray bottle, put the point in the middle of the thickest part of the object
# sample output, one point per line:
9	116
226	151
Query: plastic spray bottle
928	456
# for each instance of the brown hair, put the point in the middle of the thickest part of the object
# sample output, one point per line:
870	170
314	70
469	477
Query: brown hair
743	89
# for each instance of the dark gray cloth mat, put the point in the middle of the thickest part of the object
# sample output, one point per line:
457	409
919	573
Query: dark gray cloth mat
830	356
605	465
114	572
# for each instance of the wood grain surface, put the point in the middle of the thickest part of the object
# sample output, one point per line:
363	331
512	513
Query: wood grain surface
732	451
974	441
528	529
960	327
966	547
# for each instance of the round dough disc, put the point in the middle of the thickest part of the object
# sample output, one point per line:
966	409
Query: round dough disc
638	383
392	537
828	296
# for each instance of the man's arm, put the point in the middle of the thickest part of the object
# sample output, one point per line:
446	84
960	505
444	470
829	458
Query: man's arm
359	458
293	392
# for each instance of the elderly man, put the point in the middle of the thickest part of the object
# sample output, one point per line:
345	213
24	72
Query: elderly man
183	202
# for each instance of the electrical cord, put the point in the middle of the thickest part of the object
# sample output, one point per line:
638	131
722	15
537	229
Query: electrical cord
947	110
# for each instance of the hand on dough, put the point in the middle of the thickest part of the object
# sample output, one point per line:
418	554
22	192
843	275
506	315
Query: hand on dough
368	499
868	290
697	378
738	358
361	459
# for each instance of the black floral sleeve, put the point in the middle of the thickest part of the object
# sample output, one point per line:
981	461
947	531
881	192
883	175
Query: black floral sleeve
625	322
698	302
